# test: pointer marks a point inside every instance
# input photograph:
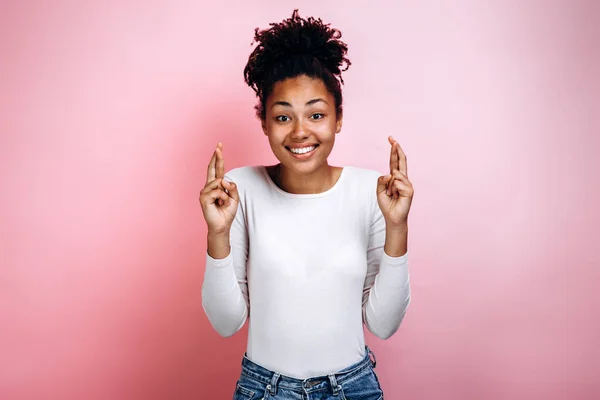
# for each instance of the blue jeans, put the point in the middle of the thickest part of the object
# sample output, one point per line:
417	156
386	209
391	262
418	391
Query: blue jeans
357	382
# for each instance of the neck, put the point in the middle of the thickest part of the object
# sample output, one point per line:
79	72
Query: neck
318	181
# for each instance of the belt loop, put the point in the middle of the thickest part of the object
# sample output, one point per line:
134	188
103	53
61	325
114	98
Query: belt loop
373	359
335	387
272	387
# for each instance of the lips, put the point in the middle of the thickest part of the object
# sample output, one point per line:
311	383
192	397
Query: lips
302	146
302	150
305	154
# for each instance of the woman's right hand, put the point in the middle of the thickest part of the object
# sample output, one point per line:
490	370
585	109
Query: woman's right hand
219	198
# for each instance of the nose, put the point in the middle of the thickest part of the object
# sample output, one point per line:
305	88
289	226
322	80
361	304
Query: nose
299	132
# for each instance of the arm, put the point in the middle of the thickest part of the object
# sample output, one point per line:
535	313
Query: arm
225	288
386	293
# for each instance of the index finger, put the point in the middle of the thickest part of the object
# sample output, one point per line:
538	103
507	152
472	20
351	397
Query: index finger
211	172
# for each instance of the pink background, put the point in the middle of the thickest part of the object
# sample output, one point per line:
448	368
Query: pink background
110	111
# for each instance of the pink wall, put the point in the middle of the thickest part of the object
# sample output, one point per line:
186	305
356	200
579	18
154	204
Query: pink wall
110	110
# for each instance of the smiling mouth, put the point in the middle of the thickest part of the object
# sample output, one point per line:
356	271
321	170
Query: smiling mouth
302	150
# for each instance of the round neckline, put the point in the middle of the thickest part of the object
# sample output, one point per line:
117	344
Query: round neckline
303	195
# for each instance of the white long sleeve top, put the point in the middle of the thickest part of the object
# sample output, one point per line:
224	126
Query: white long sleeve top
308	270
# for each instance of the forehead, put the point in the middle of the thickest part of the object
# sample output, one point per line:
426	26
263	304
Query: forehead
299	90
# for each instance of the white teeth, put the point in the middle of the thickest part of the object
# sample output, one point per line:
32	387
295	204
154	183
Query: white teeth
303	150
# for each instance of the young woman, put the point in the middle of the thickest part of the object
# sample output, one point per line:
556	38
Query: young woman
308	252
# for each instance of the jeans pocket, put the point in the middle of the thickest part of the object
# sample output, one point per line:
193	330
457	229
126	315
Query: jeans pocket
365	386
242	393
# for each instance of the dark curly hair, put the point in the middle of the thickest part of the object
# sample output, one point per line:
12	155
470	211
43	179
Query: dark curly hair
293	47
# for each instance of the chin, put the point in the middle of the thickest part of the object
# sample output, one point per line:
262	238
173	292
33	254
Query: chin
304	167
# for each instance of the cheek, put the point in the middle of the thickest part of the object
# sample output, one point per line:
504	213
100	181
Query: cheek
272	141
326	132
275	140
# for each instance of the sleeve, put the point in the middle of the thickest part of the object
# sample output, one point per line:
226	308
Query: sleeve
225	287
386	292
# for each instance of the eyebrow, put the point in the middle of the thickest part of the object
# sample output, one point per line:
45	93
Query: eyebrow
308	103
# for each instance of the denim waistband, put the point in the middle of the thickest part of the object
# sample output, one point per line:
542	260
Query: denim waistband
273	380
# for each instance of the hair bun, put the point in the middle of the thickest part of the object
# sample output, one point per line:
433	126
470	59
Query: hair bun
308	38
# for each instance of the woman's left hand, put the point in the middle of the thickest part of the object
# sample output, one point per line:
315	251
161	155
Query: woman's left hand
394	191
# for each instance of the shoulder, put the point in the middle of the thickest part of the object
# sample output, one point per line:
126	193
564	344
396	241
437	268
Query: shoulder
243	174
252	176
362	183
362	176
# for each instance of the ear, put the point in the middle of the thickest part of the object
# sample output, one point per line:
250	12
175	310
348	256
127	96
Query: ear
338	123
263	125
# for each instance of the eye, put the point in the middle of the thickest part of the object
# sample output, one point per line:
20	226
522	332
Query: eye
282	118
317	116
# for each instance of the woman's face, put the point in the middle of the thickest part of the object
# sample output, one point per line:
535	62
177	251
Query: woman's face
301	123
